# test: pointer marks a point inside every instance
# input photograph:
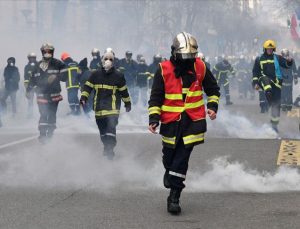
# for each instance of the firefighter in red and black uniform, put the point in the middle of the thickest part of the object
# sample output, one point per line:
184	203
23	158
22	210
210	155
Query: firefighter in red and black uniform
268	76
177	102
72	83
46	79
110	87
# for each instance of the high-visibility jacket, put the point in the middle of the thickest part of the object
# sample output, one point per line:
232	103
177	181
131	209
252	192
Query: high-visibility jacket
174	104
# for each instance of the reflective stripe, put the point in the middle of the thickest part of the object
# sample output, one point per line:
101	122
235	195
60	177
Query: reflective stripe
106	112
154	110
73	87
255	78
193	105
169	140
177	174
193	138
52	71
126	100
105	86
64	70
185	90
194	93
275	119
87	83
173	96
225	84
172	109
122	88
109	134
70	77
85	93
37	74
26	81
43	124
267	87
113	99
213	98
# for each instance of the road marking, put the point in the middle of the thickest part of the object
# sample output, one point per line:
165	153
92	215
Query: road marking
294	113
289	153
18	142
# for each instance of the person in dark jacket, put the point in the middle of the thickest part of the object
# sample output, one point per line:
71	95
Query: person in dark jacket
110	88
222	70
45	80
11	81
28	69
289	77
128	67
141	80
153	67
96	61
72	83
85	74
268	76
177	102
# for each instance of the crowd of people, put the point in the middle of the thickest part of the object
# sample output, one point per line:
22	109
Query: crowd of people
177	90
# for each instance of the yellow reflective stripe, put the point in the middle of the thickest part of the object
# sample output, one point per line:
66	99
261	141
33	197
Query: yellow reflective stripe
213	98
106	112
194	93
193	138
255	78
275	119
267	87
122	88
85	93
173	96
105	86
226	83
193	105
113	99
26	81
154	110
169	140
73	87
125	100
262	62
172	109
277	83
185	90
87	83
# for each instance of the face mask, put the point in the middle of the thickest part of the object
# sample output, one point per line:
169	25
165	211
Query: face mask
32	63
11	64
107	65
95	57
47	55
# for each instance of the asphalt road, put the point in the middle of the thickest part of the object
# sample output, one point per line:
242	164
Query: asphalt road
233	179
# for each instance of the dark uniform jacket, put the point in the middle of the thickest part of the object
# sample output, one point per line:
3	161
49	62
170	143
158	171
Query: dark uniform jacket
95	64
264	66
222	71
28	70
289	74
110	87
46	77
142	75
185	126
129	69
73	73
11	78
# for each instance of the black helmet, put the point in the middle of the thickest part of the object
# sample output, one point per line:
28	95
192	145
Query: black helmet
11	60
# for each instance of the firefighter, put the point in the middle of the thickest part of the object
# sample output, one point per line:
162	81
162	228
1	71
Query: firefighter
202	57
85	73
268	76
243	78
177	102
96	61
141	80
46	79
289	76
222	70
11	81
28	69
153	67
128	67
72	83
110	87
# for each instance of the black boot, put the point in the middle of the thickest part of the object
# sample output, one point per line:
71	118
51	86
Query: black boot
173	202
166	179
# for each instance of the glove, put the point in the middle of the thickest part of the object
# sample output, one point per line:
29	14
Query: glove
128	108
